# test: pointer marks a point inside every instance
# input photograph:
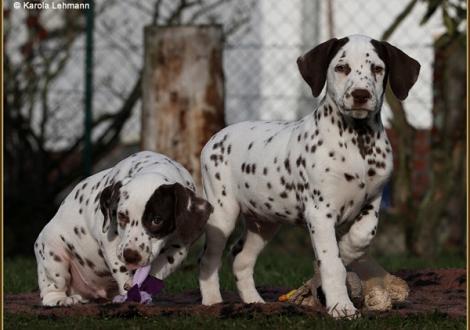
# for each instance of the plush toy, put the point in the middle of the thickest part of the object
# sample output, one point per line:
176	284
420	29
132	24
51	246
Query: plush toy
307	293
144	286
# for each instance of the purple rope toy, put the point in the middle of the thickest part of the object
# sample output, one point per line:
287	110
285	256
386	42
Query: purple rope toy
144	286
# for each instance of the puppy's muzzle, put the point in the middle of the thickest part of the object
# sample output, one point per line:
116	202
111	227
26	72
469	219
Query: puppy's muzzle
360	97
131	256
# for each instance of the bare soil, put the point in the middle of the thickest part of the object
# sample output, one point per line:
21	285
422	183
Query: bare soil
432	290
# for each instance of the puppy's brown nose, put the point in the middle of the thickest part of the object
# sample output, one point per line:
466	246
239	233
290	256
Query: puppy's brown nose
131	256
360	96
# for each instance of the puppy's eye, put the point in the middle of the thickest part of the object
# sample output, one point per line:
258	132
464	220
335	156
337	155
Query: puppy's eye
123	219
377	69
156	221
340	68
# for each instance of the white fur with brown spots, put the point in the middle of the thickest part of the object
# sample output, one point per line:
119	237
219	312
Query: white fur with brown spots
142	211
325	171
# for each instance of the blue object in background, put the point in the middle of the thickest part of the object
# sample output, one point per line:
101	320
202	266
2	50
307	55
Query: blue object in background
386	197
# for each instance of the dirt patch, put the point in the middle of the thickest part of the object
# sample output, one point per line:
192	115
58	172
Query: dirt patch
438	290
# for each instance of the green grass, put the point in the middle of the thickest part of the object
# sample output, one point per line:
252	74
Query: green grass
272	269
394	263
20	275
432	321
287	262
277	266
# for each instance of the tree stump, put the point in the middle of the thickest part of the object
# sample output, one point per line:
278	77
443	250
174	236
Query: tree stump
183	91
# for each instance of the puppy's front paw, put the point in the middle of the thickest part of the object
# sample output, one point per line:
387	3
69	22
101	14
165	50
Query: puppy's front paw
247	290
397	288
208	300
65	300
210	294
254	298
343	310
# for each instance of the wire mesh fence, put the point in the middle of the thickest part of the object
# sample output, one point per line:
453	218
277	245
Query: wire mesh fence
45	69
264	39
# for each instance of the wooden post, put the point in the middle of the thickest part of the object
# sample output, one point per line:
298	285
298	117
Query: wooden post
183	91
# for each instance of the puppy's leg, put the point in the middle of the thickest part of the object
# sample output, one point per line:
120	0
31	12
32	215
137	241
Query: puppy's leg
222	221
118	269
321	226
355	242
352	247
54	275
169	259
257	235
218	229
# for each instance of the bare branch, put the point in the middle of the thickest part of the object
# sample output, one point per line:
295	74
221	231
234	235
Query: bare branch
204	9
156	12
106	140
175	17
237	25
400	18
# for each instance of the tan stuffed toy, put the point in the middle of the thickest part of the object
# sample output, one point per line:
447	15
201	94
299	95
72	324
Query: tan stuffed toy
369	286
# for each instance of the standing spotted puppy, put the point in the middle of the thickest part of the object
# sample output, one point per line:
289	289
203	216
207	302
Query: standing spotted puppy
326	171
142	211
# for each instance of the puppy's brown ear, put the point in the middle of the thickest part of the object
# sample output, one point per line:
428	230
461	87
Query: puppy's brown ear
191	214
313	66
402	69
109	199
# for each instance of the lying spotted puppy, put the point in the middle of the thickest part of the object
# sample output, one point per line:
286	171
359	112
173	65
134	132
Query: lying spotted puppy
142	211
